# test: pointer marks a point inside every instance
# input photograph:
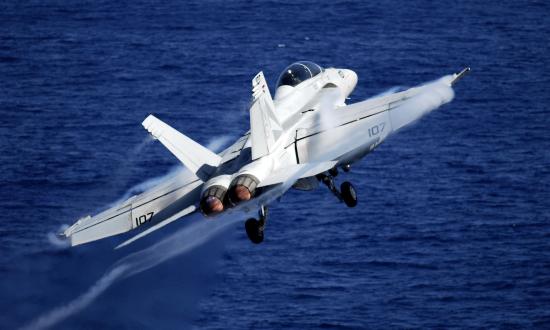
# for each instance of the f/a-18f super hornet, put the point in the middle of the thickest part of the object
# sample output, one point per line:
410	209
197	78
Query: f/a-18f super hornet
298	139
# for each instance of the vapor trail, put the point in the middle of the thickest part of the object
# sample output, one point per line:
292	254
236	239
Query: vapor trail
182	241
430	97
215	144
53	317
178	243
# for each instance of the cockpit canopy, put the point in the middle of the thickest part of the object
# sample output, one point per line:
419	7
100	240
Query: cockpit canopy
297	73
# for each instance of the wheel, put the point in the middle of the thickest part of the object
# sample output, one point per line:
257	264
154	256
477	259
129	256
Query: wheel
254	231
348	194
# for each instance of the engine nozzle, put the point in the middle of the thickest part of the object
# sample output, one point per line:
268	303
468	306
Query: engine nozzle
242	189
212	200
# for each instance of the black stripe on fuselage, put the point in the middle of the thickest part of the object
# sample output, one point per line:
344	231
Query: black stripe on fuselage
296	139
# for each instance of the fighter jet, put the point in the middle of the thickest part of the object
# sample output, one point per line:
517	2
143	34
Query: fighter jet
299	139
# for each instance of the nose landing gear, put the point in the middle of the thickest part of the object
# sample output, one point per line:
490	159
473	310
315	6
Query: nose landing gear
255	228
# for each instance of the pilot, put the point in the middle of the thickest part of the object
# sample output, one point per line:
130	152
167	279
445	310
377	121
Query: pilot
298	72
293	75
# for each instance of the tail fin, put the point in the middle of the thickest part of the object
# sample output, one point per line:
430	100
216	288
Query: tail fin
265	128
194	156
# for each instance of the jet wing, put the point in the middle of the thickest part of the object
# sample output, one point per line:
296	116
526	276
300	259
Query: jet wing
457	76
402	107
394	100
341	134
150	207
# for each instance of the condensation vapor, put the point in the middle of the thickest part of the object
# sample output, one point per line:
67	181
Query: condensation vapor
55	240
429	97
326	115
182	241
215	144
149	184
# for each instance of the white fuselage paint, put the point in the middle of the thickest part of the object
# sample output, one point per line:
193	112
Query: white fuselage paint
297	109
317	128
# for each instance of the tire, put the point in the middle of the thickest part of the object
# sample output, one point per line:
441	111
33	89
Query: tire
253	231
348	194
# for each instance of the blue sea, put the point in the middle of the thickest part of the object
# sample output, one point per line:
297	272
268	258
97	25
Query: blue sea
452	229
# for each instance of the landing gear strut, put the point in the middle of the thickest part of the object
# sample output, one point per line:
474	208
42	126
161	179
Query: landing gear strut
255	228
347	193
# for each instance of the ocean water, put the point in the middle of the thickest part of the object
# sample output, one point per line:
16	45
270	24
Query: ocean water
452	229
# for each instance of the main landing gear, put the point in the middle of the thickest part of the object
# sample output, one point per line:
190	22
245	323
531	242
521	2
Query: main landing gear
346	193
255	228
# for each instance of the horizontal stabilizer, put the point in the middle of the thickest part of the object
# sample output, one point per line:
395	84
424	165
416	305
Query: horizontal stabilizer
194	156
159	225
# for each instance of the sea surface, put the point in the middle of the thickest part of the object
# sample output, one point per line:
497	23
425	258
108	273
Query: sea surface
452	229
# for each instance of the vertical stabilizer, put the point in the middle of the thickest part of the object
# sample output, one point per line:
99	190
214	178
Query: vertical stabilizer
265	128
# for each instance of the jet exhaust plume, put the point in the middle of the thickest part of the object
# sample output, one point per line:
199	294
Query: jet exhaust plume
242	188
